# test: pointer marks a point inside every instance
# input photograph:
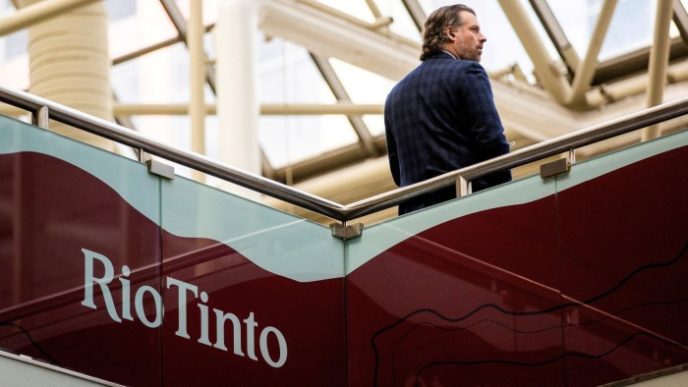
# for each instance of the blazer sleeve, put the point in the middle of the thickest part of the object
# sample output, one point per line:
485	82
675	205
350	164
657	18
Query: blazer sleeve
482	120
392	155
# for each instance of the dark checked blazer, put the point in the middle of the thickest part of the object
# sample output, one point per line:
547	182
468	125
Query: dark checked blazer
439	118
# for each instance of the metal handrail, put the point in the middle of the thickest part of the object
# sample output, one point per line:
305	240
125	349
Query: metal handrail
129	137
40	108
541	150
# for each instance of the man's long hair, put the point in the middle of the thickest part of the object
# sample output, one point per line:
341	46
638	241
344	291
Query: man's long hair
433	30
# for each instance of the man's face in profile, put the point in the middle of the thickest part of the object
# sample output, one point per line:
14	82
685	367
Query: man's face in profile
468	42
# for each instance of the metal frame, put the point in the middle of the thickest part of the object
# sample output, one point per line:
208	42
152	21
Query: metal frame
417	13
154	47
585	71
557	35
681	20
41	108
635	61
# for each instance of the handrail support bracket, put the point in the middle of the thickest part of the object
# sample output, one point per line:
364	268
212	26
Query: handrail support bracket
463	186
161	169
558	167
345	231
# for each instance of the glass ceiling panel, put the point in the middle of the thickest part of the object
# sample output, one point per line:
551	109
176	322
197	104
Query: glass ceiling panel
631	27
364	87
161	76
375	123
290	139
13	54
136	24
15	61
6	7
171	130
288	75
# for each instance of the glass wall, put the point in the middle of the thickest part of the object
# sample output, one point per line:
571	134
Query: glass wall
114	272
573	281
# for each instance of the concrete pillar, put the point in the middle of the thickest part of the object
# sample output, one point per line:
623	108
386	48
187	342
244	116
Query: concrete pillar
70	64
236	34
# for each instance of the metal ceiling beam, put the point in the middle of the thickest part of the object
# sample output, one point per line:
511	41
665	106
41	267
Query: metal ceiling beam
335	84
561	43
545	68
180	25
636	61
416	12
334	11
681	20
153	47
145	50
585	71
381	22
36	13
374	9
580	96
176	17
325	32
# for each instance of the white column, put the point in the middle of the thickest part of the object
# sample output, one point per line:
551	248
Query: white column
236	36
70	64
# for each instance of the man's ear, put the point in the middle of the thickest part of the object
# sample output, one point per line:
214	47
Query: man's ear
450	33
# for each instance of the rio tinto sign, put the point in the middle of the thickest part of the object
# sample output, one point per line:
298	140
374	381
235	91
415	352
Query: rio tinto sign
243	335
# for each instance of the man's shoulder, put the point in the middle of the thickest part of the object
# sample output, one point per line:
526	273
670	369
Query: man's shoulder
451	72
456	67
472	66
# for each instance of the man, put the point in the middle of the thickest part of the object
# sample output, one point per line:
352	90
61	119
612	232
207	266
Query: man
441	116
